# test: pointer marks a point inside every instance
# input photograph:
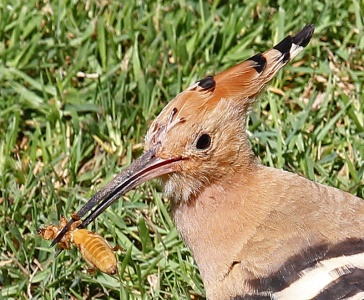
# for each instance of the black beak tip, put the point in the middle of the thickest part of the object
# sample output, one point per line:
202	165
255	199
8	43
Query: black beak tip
54	242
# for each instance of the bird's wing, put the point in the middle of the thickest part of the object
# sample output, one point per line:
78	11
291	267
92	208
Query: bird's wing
325	272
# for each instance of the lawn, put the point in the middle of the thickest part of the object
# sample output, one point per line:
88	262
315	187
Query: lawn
80	81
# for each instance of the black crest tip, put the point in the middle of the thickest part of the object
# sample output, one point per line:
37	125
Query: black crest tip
300	39
304	36
207	83
260	61
284	46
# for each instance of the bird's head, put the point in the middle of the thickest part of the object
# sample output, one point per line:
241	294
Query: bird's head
199	137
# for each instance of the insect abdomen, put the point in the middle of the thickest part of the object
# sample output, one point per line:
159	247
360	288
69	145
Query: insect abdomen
96	251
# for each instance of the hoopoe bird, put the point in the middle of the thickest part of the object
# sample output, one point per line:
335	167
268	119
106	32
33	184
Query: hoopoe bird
255	232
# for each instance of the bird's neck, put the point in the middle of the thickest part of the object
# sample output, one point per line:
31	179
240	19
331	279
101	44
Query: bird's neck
204	224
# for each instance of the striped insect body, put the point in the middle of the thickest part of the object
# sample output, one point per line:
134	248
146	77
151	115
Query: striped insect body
93	247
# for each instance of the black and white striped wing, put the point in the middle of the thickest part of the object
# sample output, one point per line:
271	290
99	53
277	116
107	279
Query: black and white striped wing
324	272
332	279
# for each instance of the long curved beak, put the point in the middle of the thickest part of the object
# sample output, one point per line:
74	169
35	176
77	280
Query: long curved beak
146	167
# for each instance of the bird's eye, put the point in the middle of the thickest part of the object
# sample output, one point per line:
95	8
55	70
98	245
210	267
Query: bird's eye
203	142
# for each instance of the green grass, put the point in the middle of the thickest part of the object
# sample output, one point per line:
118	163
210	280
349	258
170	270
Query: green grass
81	80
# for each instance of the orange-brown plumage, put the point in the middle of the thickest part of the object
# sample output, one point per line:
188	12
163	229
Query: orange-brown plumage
255	232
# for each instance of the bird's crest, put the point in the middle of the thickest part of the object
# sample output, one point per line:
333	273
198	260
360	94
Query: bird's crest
241	83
